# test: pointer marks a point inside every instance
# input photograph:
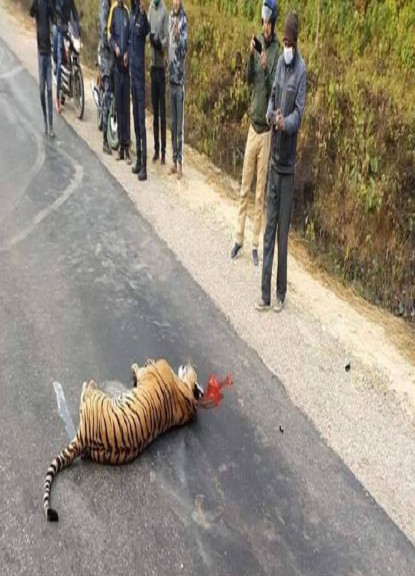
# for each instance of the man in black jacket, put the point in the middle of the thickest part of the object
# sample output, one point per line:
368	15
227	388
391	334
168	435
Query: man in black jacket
118	36
139	28
65	10
43	11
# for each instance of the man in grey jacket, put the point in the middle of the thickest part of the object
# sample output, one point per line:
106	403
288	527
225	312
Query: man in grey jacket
284	114
159	37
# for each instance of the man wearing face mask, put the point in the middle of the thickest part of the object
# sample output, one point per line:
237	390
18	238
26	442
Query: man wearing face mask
260	74
284	114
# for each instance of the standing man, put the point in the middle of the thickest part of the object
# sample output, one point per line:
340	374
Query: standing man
118	36
43	11
159	36
65	10
139	28
260	72
177	57
106	64
285	111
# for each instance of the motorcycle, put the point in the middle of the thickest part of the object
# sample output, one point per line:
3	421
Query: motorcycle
98	95
72	81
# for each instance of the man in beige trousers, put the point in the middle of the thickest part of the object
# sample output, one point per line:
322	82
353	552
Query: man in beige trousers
263	57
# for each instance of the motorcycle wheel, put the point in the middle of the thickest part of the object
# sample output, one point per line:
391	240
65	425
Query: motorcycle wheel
79	93
112	131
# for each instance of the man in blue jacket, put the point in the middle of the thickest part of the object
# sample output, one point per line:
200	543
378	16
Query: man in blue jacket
118	36
284	114
43	11
139	28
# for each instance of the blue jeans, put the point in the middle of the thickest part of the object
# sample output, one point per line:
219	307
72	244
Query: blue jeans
45	80
177	121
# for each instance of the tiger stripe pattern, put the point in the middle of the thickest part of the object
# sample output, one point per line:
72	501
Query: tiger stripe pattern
115	430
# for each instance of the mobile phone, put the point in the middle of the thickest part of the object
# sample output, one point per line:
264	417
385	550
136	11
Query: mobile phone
258	45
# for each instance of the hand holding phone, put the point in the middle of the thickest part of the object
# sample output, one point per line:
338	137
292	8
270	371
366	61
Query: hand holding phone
258	45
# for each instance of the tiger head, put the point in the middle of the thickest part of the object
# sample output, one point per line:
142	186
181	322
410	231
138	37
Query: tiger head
187	374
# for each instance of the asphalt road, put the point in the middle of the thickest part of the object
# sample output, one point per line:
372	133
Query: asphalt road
86	288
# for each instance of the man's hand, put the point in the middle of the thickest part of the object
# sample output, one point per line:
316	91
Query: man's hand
252	46
117	51
263	57
279	121
125	59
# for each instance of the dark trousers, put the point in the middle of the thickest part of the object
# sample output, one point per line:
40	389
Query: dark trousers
106	103
45	81
122	103
279	201
139	113
177	121
158	102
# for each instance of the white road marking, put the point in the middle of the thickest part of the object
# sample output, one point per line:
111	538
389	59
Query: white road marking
75	182
64	411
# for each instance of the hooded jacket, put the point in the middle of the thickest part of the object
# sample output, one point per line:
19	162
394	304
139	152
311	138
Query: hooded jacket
177	48
119	32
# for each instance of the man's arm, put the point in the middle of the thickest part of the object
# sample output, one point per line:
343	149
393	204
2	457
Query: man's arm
111	41
271	101
33	8
74	11
293	121
165	40
182	45
51	11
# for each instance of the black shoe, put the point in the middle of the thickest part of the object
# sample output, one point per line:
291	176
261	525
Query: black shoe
235	250
155	157
51	134
163	160
255	256
106	148
143	174
120	155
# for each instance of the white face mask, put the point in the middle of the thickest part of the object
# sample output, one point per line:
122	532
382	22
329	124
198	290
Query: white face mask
288	55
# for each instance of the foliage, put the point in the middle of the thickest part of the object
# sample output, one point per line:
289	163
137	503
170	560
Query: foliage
355	178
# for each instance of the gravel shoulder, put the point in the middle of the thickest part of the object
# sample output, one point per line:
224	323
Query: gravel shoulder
366	414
